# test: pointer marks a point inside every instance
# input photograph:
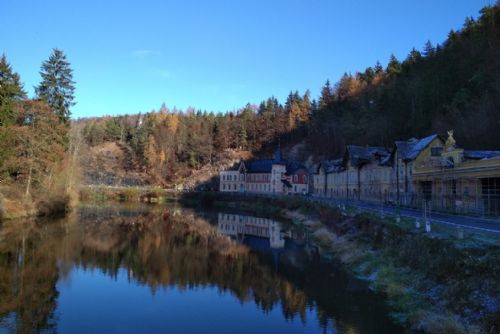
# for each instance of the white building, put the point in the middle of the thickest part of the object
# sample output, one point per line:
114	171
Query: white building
273	176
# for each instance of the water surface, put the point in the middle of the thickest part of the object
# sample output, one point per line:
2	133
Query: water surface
177	270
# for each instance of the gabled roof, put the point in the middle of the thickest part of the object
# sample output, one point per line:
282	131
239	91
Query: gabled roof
260	166
359	155
330	166
410	149
335	166
477	155
266	165
293	167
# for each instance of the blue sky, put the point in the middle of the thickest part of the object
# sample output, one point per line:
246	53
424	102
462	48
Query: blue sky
130	56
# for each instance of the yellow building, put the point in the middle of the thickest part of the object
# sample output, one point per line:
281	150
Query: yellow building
415	172
405	157
457	180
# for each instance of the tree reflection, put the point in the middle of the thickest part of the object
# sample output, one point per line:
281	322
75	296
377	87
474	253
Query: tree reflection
171	247
28	275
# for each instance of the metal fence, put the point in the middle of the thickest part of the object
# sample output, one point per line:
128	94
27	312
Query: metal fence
486	204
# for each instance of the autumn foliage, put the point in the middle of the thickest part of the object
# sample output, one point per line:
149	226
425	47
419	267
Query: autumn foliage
35	166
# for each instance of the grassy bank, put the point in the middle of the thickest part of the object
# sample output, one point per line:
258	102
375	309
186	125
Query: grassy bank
438	282
101	194
15	204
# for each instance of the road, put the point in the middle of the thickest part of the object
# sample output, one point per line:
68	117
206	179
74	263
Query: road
475	223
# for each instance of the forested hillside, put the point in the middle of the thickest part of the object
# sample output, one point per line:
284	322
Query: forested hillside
451	85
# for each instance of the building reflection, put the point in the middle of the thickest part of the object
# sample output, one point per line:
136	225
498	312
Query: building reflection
243	226
167	248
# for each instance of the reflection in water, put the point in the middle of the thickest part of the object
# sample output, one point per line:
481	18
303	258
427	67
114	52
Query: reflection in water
28	274
240	226
55	276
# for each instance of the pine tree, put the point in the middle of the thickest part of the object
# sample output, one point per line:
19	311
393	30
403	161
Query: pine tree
394	66
326	95
305	107
413	57
11	90
429	49
57	86
243	138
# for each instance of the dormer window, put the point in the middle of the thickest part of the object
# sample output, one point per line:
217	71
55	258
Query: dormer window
436	151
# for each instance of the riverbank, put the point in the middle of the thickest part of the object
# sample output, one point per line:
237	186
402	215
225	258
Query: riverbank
434	282
14	204
101	194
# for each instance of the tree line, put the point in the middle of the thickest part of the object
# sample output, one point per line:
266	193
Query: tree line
172	142
453	85
35	132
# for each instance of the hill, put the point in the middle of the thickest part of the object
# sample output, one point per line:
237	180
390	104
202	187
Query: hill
452	85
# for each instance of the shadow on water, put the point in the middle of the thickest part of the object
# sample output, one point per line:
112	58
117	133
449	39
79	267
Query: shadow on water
48	268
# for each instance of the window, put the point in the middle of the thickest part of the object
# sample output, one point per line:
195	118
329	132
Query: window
436	151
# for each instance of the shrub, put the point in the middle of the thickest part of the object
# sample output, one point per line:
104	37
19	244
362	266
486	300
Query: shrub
53	206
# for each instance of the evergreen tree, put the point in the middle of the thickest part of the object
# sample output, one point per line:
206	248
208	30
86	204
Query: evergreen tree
326	95
394	66
429	49
305	107
57	86
243	138
11	90
413	57
378	68
368	75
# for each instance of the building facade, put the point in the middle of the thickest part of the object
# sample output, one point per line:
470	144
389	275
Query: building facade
272	176
428	171
457	180
232	180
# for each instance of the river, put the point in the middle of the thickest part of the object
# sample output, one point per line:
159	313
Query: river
159	269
